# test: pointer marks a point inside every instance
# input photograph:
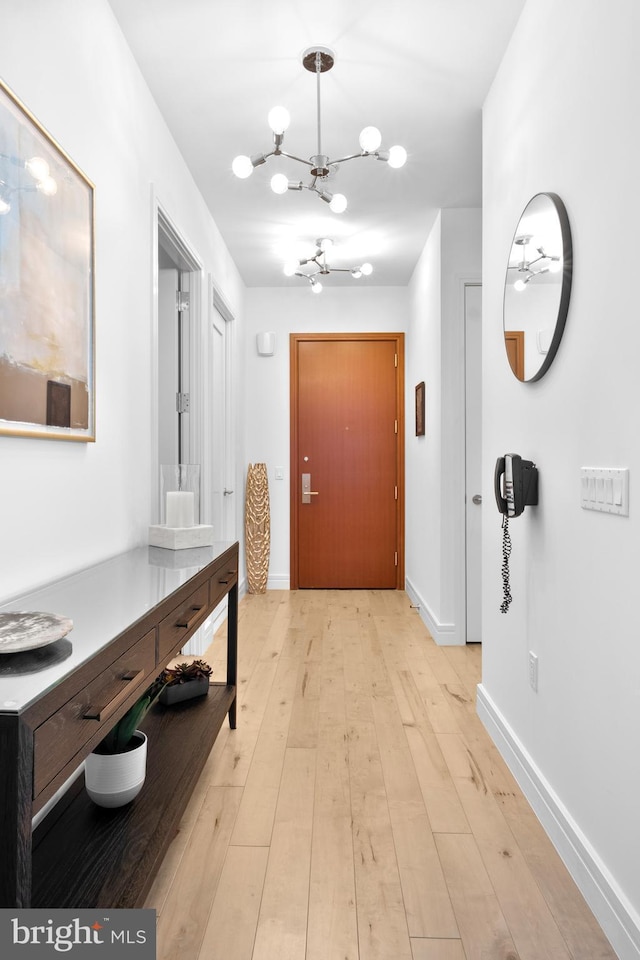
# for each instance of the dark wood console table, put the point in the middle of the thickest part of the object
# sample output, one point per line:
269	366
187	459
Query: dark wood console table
131	615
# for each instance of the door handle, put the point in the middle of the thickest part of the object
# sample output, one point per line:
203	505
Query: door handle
477	498
226	492
307	492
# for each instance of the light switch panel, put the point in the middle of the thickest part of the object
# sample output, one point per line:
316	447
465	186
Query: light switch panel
605	489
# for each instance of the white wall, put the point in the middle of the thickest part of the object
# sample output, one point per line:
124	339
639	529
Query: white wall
423	455
561	116
65	505
435	547
297	310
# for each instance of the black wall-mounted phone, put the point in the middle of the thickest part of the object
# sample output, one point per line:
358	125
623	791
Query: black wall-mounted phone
520	484
515	485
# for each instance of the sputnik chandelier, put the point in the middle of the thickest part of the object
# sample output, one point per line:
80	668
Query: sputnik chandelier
319	260
528	269
317	60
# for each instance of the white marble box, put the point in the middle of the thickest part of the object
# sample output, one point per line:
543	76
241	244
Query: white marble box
180	538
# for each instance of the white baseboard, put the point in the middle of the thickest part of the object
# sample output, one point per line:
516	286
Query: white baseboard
616	916
278	583
444	634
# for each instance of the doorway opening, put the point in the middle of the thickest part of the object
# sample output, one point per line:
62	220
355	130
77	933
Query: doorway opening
177	374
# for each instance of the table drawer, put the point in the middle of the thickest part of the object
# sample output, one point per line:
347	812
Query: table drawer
62	736
220	584
182	621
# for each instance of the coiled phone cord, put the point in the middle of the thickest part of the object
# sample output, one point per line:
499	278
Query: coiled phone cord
506	553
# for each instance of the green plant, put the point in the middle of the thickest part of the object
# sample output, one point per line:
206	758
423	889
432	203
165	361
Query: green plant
119	738
184	672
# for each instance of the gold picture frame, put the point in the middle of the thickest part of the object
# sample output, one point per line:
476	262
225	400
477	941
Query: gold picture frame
420	408
47	271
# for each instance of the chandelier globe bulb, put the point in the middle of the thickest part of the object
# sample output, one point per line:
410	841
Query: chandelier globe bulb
520	285
397	157
366	269
370	139
339	203
279	119
290	268
279	183
316	286
242	167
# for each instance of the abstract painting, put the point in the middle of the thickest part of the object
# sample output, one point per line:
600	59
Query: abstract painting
46	283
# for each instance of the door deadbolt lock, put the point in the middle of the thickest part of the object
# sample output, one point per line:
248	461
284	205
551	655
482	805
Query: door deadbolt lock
307	492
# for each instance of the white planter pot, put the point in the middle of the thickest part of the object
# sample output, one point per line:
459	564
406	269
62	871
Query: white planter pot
112	780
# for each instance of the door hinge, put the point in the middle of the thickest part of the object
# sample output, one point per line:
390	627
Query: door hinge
395	359
182	402
396	493
396	559
182	300
396	426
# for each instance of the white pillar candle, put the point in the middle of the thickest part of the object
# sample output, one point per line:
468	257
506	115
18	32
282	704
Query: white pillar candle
180	508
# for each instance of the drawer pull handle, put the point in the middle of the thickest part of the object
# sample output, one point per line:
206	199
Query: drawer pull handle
188	622
131	679
223	581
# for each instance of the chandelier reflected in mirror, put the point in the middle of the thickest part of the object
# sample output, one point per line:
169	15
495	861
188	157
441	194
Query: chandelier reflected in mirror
323	269
528	269
317	60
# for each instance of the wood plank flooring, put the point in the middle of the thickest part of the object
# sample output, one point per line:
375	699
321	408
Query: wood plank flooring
360	811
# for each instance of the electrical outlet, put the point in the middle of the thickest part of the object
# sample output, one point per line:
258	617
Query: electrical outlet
533	670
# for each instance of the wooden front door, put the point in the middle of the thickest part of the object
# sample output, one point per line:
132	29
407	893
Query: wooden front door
514	342
347	529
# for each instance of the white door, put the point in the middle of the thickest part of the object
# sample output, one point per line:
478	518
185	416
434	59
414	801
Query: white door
222	458
473	466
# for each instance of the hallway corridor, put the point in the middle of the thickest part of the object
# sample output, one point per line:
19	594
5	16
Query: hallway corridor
360	811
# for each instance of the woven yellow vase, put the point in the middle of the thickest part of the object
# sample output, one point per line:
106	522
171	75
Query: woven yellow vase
257	528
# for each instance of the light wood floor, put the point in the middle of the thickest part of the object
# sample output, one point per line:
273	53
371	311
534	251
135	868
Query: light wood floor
360	811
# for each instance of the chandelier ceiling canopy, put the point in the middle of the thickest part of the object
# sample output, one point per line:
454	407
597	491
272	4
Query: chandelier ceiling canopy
317	60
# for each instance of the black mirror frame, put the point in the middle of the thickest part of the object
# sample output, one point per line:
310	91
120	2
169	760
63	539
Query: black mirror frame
565	292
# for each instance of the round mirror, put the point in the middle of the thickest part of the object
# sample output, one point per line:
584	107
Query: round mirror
537	286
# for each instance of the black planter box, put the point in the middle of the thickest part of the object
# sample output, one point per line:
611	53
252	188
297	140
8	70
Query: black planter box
175	692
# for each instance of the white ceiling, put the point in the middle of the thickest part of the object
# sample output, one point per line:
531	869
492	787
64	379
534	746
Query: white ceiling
419	70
